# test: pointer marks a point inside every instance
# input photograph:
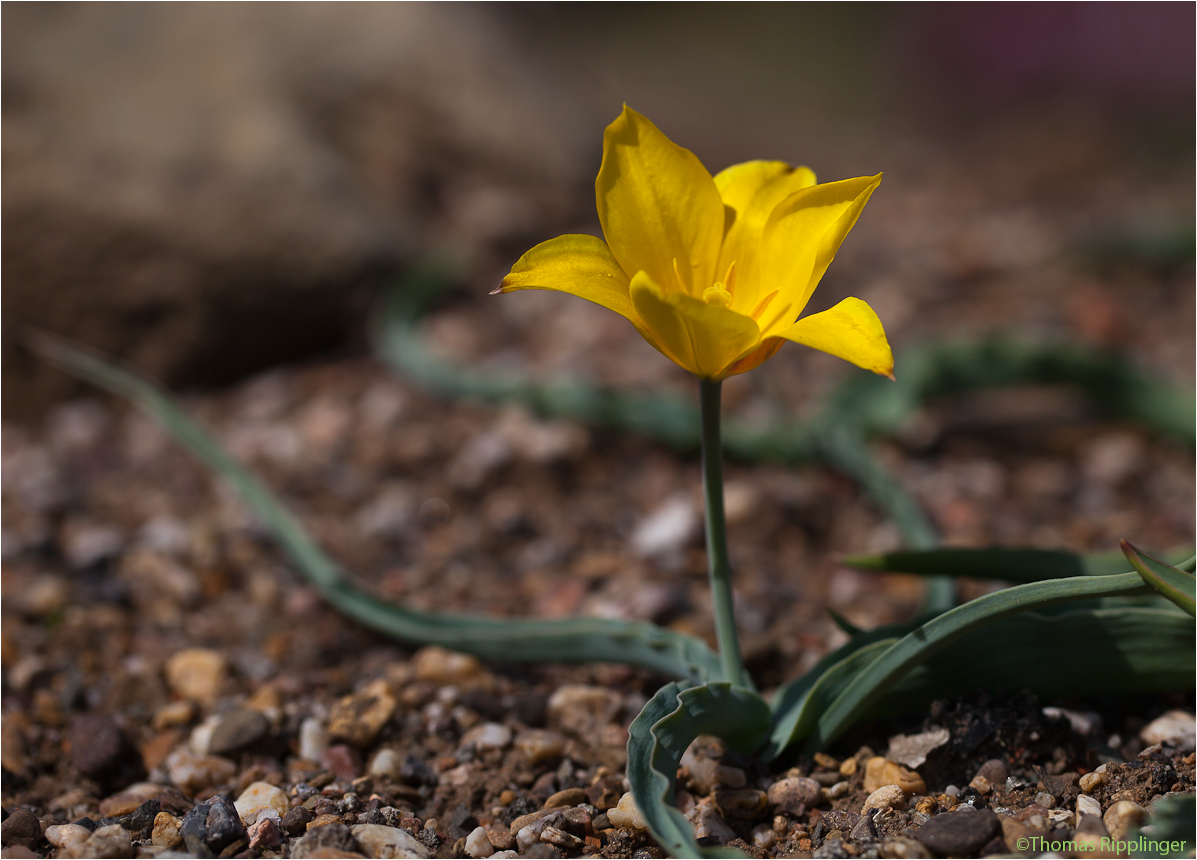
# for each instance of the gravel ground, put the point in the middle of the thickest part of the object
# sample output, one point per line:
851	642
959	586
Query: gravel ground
162	663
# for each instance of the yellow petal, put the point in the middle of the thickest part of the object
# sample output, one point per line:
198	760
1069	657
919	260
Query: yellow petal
752	190
658	205
800	240
575	263
850	331
703	338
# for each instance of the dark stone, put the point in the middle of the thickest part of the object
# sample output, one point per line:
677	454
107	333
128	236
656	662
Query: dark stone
100	750
296	820
840	819
211	827
86	822
235	849
237	730
137	820
21	828
958	834
461	822
323	840
372	816
864	830
415	772
430	838
605	793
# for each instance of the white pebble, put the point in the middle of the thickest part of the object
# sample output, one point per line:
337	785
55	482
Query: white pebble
763	836
1086	805
627	814
477	844
313	739
66	835
261	796
886	797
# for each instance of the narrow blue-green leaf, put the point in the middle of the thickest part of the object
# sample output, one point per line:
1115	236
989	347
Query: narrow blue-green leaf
918	645
1172	582
1014	564
659	736
1171	831
637	643
797	709
843	623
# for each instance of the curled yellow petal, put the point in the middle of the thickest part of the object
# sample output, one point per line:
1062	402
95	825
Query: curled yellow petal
658	205
752	191
575	263
851	331
800	240
705	338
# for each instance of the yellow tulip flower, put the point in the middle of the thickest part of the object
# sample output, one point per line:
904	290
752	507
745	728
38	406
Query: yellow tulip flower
713	272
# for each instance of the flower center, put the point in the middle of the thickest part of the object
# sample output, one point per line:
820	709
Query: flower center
721	292
717	294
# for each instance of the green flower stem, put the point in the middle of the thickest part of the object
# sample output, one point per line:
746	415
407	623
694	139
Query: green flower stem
717	561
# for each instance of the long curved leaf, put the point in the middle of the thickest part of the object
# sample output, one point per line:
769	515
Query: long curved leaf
1175	584
917	646
637	643
1014	564
659	736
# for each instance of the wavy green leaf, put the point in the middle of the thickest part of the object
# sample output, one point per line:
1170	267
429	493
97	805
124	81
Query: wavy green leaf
1013	564
659	736
1124	650
868	686
1175	584
638	643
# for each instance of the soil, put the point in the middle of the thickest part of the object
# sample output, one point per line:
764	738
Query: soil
157	648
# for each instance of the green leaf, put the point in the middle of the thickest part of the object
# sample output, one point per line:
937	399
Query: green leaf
1172	832
659	736
1172	582
1014	564
796	708
917	646
638	643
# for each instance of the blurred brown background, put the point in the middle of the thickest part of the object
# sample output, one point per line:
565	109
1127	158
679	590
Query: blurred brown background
209	189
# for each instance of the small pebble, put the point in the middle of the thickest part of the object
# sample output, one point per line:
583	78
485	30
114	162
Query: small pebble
107	843
582	709
879	772
66	835
358	719
566	797
763	836
343	761
902	848
258	796
626	814
237	730
794	794
838	790
313	739
1045	799
980	785
386	764
1122	817
443	667
166	831
540	745
1176	728
198	674
266	833
295	821
495	736
885	797
708	824
995	771
478	843
379	840
1090	782
193	773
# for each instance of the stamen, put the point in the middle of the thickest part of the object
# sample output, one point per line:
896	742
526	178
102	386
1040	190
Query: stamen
716	294
730	278
677	273
762	304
